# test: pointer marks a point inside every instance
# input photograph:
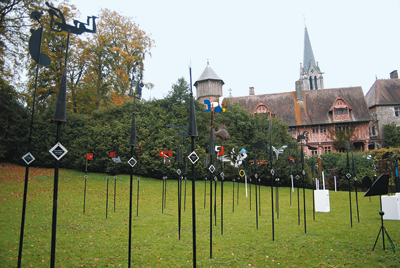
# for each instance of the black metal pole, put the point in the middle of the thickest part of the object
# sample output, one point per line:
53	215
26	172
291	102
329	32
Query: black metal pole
21	238
55	202
272	203
137	197
130	214
215	199
84	195
107	199
115	189
222	198
233	195
205	191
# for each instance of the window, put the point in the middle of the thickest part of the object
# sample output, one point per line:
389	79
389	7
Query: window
345	111
315	82
373	131
292	131
311	84
327	149
397	111
314	152
323	128
336	112
315	129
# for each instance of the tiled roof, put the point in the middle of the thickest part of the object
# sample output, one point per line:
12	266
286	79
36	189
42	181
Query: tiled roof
384	92
313	110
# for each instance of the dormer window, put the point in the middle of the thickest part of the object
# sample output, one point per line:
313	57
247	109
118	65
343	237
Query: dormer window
340	110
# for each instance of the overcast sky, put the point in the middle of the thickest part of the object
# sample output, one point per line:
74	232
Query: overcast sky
260	43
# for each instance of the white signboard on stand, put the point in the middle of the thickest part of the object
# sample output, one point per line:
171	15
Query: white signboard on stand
391	207
322	203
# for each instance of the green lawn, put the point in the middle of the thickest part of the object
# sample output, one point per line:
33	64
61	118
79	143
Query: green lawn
91	240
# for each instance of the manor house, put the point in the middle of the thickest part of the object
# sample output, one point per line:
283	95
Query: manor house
310	108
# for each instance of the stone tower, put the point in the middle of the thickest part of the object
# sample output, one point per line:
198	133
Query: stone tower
310	75
208	86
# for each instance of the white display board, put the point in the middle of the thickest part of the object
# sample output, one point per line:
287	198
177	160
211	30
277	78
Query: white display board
391	207
322	203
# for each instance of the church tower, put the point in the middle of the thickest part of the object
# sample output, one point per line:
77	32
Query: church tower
310	75
208	86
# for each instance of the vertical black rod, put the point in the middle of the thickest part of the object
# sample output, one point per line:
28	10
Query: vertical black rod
313	199
272	204
21	238
194	209
137	197
211	207
256	186
259	196
290	190
205	190
115	190
237	199
298	202
55	201
250	191
358	215
165	195
348	172
84	195
162	196
184	202
130	215
304	201
215	200
277	201
107	199
222	200
233	196
179	207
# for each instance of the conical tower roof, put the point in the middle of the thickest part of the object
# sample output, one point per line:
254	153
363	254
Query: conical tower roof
308	52
208	74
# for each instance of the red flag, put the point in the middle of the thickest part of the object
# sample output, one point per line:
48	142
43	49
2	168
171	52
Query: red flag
89	157
113	154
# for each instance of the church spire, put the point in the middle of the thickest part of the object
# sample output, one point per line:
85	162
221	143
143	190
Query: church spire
308	57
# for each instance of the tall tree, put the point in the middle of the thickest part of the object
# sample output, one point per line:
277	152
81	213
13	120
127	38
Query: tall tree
117	52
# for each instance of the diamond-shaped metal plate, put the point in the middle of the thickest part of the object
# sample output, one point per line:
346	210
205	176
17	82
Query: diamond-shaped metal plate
164	178
193	157
272	172
222	175
256	176
215	178
211	168
304	172
138	178
28	158
132	162
355	178
179	172
297	177
348	175
58	151
85	176
277	179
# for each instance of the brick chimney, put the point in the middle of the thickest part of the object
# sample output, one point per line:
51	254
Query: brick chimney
251	91
394	75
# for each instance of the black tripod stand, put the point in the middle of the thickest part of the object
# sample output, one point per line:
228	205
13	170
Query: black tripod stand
383	231
380	187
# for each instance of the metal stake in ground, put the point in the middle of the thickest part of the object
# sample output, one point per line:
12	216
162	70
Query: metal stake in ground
135	91
355	185
60	112
35	44
348	176
192	132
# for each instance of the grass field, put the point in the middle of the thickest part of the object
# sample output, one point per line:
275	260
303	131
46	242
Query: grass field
91	240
